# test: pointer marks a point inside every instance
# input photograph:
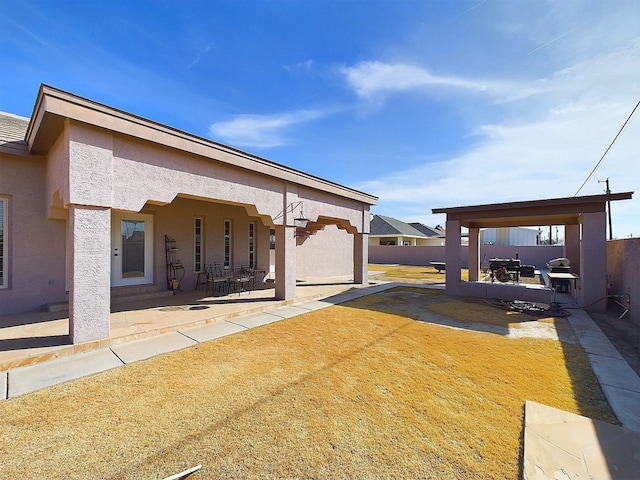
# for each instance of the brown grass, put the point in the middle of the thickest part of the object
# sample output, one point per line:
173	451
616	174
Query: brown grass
410	273
360	390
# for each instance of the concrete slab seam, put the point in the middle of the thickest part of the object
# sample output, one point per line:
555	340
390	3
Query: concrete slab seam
4	383
244	326
188	336
117	356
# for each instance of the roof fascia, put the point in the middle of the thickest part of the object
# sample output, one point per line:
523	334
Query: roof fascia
536	205
52	101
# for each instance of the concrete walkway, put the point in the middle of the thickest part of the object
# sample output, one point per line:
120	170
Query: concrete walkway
619	382
25	379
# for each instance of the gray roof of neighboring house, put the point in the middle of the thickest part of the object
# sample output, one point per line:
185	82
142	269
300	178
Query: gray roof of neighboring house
381	225
13	130
427	230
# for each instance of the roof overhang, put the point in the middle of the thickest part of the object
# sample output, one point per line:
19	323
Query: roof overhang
54	106
554	211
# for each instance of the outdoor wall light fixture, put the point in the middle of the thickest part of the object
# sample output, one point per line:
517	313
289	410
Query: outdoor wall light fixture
301	222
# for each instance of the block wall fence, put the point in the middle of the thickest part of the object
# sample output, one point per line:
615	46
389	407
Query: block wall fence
623	263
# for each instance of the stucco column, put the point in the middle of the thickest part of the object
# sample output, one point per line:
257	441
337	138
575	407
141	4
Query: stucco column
474	254
593	262
452	256
285	262
360	258
572	246
90	275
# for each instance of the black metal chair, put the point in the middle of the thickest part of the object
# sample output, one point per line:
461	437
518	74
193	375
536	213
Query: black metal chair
215	279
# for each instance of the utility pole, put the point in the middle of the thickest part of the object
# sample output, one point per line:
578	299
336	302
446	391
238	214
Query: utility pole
607	191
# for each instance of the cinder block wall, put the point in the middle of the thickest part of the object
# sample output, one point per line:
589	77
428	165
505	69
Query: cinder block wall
623	269
537	255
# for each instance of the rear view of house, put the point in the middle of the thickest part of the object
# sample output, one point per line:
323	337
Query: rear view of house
93	199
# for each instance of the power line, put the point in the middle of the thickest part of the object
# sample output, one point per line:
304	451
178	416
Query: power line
608	148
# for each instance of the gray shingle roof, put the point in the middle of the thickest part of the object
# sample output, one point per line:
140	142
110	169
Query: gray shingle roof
427	230
13	130
381	225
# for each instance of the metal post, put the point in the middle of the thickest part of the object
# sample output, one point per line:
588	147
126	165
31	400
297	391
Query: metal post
607	191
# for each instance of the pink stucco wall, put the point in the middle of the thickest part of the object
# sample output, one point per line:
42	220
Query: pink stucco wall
96	163
537	255
623	268
36	244
333	247
177	221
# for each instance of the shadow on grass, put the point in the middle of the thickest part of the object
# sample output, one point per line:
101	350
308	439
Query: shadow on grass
478	315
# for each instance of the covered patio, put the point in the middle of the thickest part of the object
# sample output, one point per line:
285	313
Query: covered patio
38	336
101	201
584	221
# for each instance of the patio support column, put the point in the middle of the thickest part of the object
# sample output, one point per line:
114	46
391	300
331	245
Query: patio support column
572	246
285	262
474	254
452	256
90	275
593	262
360	258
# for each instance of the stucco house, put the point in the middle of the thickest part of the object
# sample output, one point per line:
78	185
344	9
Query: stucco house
391	231
94	199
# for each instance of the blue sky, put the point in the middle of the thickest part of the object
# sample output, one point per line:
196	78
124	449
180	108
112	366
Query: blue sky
425	104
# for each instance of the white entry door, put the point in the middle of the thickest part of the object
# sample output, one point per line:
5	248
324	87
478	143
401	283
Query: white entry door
131	249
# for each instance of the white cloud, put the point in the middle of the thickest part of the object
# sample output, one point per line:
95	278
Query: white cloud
373	78
305	66
545	148
262	131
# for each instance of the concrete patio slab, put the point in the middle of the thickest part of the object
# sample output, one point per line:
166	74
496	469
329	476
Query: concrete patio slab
34	377
212	331
563	445
150	347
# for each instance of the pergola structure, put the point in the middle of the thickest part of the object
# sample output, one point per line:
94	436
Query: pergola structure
584	219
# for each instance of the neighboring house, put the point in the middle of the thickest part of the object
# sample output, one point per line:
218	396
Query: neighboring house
390	231
519	236
93	199
437	233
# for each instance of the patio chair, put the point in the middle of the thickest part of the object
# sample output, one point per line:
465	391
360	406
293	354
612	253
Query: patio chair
215	279
248	273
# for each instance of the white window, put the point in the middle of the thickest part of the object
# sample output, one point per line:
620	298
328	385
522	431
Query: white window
252	244
227	243
3	243
197	244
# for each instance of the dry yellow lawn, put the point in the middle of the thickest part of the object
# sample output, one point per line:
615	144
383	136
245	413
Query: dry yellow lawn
411	273
369	389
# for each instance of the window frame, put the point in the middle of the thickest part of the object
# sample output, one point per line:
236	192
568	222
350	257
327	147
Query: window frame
198	244
4	244
227	243
251	230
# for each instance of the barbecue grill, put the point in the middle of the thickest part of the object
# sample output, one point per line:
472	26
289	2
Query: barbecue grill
560	265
